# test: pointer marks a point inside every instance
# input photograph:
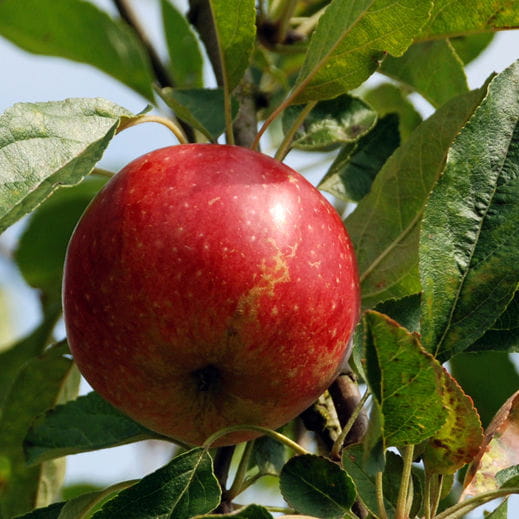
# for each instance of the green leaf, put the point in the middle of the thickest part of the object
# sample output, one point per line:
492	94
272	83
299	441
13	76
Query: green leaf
81	506
353	463
504	333
39	385
202	108
81	32
432	68
85	424
390	99
317	486
469	16
501	512
47	145
344	119
352	172
405	311
248	512
497	340
469	47
183	488
269	455
467	260
508	477
186	62
457	441
49	512
87	504
350	40
509	319
13	358
385	225
404	379
40	252
235	25
392	481
469	369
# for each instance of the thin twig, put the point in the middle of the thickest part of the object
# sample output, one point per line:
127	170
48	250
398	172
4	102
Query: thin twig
128	15
160	72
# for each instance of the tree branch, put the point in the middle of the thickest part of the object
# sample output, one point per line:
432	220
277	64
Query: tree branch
245	126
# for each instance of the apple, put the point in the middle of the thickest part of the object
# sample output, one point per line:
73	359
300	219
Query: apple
208	286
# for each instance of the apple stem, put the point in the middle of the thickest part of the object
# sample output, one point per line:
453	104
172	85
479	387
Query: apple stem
168	123
257	428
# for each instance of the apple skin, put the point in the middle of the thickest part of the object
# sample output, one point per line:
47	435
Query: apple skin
208	286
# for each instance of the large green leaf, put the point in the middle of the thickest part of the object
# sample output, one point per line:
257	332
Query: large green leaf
470	16
235	25
431	68
183	488
81	32
47	145
85	424
404	380
385	225
317	486
468	261
39	385
350	40
186	62
40	253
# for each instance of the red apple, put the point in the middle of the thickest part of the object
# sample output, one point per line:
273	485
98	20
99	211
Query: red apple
208	286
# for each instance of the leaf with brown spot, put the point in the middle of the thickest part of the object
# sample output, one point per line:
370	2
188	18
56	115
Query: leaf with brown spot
458	440
499	450
404	380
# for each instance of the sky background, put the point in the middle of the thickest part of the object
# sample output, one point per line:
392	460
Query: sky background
28	77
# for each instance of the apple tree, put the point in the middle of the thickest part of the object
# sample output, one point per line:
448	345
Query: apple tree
422	419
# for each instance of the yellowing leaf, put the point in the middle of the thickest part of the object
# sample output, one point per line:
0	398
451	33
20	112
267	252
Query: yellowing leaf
499	450
458	440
